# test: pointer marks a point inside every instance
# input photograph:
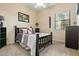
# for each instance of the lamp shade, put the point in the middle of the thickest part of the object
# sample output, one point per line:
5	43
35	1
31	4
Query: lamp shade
1	18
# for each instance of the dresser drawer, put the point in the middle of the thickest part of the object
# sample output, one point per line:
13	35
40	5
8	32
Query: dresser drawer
2	37
3	29
2	43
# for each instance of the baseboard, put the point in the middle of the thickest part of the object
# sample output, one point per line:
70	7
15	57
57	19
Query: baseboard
59	41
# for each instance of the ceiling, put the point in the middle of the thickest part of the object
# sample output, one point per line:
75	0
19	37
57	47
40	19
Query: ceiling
32	6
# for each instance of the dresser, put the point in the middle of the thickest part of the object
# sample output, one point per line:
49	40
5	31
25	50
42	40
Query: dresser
2	36
72	37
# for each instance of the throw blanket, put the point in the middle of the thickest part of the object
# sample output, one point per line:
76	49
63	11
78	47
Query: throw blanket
32	43
22	39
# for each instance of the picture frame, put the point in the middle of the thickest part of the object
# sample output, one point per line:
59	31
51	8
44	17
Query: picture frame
23	17
49	21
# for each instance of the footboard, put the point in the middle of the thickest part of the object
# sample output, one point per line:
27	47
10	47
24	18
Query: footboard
42	42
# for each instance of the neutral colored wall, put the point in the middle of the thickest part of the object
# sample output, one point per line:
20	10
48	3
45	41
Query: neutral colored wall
10	12
58	35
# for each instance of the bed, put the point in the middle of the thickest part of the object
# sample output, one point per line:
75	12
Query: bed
36	41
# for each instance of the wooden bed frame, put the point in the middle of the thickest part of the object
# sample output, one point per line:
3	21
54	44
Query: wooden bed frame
41	42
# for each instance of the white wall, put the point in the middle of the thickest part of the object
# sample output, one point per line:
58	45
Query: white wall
10	13
43	19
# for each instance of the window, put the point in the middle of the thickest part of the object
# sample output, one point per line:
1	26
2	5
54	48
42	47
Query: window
62	20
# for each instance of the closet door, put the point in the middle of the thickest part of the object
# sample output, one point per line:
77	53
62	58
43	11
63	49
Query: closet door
72	37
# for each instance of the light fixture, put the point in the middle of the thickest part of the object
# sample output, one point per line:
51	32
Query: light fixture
39	5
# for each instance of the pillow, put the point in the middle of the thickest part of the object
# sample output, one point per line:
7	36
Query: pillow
25	31
30	31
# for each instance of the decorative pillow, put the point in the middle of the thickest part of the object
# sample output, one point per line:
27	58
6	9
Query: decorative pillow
30	31
25	31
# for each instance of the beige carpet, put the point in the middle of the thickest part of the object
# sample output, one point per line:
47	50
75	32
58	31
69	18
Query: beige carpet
57	49
13	50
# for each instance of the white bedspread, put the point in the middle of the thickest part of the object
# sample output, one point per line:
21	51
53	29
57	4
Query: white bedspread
32	41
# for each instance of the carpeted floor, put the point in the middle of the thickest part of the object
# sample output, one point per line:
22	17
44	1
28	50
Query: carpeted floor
57	49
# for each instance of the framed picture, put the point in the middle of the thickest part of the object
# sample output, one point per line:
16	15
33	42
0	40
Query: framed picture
62	20
23	17
49	21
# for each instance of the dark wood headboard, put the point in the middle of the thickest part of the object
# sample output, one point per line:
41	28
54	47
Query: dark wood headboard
16	31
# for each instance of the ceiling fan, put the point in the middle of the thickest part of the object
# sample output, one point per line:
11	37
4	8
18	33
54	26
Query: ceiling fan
40	5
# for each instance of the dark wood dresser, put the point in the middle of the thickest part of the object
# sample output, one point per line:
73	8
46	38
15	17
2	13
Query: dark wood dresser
2	36
72	37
